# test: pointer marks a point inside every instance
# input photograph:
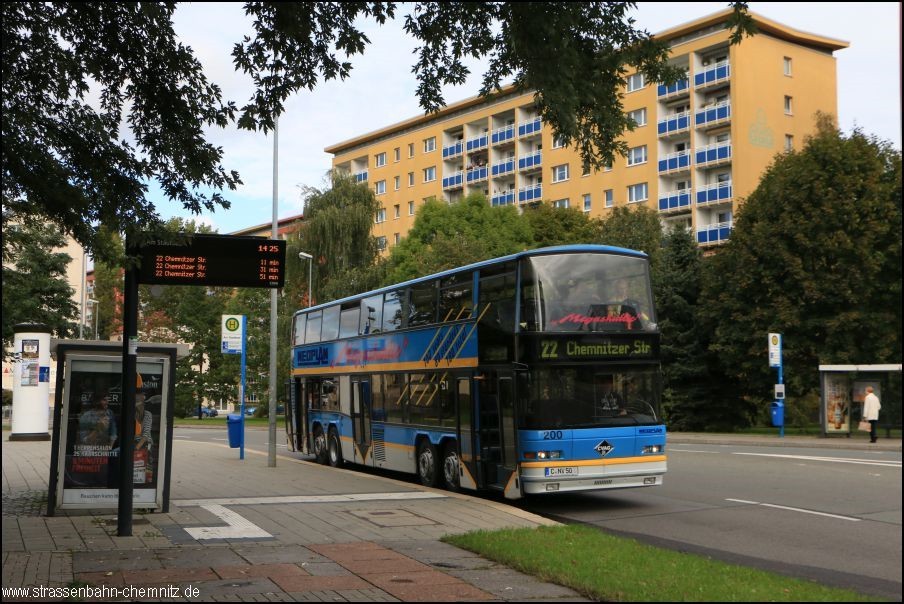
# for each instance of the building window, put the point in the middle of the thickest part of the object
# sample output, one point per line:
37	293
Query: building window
558	142
429	144
637	155
381	243
396	238
411	179
609	198
787	65
397	182
637	192
411	208
585	170
381	216
635	82
397	154
381	160
560	173
560	203
788	106
607	167
430	174
789	142
410	149
639	116
398	211
380	187
586	202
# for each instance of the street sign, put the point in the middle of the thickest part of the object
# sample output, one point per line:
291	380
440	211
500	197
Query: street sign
232	335
775	350
215	260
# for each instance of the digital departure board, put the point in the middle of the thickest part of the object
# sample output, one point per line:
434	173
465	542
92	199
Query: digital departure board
215	260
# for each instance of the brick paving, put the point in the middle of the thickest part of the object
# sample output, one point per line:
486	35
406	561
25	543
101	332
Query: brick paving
380	544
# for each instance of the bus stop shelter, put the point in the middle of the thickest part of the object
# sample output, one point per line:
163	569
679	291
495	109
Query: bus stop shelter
842	388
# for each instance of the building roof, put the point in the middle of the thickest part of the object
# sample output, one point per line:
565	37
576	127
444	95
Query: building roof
765	25
283	226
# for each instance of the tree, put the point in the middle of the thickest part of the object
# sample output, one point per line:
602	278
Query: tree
66	161
35	288
559	226
636	228
337	232
447	236
815	254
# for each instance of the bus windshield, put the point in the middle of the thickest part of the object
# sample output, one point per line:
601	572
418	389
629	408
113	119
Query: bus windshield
586	292
587	396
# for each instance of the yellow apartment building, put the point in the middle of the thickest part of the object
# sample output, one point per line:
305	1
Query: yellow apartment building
700	146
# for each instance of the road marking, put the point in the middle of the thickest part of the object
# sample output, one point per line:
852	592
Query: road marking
311	499
790	509
237	527
865	462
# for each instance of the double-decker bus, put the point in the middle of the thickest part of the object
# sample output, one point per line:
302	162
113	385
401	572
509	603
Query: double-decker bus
533	373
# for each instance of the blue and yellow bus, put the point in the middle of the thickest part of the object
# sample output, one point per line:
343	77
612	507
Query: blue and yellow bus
533	373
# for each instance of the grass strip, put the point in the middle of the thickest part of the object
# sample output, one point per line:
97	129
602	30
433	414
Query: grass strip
609	568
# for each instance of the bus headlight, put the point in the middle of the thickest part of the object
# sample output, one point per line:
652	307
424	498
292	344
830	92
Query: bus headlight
543	455
653	449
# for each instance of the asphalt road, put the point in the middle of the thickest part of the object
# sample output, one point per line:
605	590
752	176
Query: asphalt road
829	515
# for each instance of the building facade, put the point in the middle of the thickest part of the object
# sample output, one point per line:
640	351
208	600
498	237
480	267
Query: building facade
700	145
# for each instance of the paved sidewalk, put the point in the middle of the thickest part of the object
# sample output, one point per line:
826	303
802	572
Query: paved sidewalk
240	531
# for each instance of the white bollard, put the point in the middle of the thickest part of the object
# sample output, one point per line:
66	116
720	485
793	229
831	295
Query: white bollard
31	382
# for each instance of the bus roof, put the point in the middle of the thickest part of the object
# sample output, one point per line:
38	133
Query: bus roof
608	249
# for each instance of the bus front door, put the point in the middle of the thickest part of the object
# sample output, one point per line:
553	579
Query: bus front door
295	420
361	419
498	447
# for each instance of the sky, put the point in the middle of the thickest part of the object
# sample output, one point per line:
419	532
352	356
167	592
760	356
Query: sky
381	91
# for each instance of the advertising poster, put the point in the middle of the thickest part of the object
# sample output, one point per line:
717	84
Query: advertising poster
838	403
92	437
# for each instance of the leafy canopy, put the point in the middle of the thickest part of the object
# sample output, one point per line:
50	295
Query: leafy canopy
101	100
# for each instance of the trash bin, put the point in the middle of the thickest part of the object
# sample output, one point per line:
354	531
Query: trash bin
234	427
777	411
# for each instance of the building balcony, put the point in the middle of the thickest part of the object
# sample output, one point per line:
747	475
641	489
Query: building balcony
453	150
477	174
713	155
714	233
675	163
530	193
503	135
531	128
503	168
531	162
719	192
361	176
476	144
503	199
712	75
674	124
674	202
454	181
673	91
714	115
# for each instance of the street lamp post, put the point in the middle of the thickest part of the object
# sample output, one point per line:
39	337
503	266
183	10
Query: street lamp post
94	304
310	259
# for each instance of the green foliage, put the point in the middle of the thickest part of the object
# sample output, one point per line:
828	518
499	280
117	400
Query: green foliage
445	236
66	161
635	228
108	286
337	232
815	255
559	226
35	288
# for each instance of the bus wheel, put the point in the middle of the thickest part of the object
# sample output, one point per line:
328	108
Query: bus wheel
320	446
335	449
426	464
451	467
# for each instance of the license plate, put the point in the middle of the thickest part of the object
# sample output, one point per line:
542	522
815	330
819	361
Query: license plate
566	471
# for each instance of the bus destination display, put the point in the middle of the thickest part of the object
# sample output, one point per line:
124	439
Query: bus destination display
215	260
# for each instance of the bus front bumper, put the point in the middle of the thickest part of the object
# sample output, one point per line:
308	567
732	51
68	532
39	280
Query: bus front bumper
590	475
